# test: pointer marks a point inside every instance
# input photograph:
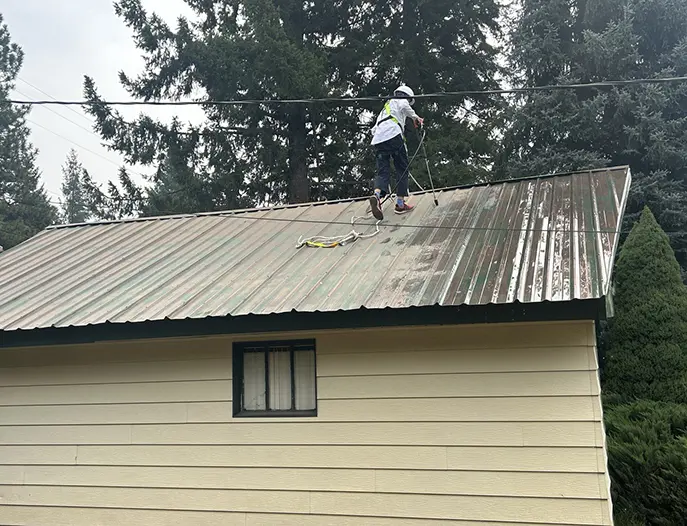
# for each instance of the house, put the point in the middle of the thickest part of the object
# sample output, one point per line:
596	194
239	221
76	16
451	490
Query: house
202	370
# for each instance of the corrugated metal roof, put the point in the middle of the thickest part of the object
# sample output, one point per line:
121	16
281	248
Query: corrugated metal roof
531	240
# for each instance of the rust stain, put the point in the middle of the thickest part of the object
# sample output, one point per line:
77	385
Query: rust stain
551	238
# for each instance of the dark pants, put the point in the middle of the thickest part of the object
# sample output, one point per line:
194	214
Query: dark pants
395	148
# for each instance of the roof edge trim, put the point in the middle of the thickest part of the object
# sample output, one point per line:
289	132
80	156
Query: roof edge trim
619	228
593	309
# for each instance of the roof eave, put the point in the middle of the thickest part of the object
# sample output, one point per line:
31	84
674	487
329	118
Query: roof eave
589	309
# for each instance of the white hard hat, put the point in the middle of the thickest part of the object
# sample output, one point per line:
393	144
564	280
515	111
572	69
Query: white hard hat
407	91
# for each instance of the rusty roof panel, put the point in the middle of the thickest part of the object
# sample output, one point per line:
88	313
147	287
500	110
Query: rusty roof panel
550	238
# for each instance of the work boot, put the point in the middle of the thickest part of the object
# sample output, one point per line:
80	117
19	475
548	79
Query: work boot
403	209
376	207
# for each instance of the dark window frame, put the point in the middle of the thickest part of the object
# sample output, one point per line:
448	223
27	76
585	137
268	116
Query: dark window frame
238	350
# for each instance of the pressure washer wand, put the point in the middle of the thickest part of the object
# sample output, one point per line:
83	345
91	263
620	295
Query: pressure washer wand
429	173
407	171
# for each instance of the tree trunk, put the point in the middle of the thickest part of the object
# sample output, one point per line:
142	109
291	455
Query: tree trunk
412	45
299	184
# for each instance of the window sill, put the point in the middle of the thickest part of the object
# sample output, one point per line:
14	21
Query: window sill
275	414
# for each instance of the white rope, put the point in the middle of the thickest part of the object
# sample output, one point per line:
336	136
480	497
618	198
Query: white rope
333	241
354	235
415	181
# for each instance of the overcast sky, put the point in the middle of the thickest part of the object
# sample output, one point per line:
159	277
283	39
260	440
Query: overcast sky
63	40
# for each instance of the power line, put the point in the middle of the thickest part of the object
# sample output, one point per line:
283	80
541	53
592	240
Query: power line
60	115
53	98
75	124
439	95
26	203
82	147
70	141
74	143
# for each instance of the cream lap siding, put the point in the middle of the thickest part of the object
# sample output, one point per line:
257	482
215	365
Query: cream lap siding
470	425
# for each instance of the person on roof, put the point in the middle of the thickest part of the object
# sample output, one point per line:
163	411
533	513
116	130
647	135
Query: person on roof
389	142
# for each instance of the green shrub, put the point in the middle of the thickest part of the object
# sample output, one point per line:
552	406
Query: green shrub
647	450
647	354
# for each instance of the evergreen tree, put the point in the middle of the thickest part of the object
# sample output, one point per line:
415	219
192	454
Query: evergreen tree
643	126
178	189
256	154
117	202
647	450
74	204
254	49
24	206
645	382
437	46
647	358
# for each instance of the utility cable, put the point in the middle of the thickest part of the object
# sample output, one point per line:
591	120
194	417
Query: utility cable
114	163
75	124
62	116
55	99
245	215
248	215
75	143
26	119
426	96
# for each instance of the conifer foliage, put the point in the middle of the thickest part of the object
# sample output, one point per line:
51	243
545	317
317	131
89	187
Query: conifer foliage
24	205
257	154
74	203
647	358
643	126
647	450
645	382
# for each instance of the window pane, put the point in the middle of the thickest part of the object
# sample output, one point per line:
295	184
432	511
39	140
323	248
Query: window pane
304	373
254	381
280	378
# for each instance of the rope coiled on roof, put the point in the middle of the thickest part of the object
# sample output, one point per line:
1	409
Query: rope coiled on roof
334	241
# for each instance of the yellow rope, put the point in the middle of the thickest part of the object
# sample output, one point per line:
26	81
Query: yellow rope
335	241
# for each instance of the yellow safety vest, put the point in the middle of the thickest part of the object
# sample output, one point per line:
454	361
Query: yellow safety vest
387	107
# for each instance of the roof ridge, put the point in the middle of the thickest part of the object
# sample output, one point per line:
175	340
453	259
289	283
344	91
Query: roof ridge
218	213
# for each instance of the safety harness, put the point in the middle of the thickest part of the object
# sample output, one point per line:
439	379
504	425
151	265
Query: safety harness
354	235
390	117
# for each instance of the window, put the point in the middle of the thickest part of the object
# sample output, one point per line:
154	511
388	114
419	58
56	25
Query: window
275	379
